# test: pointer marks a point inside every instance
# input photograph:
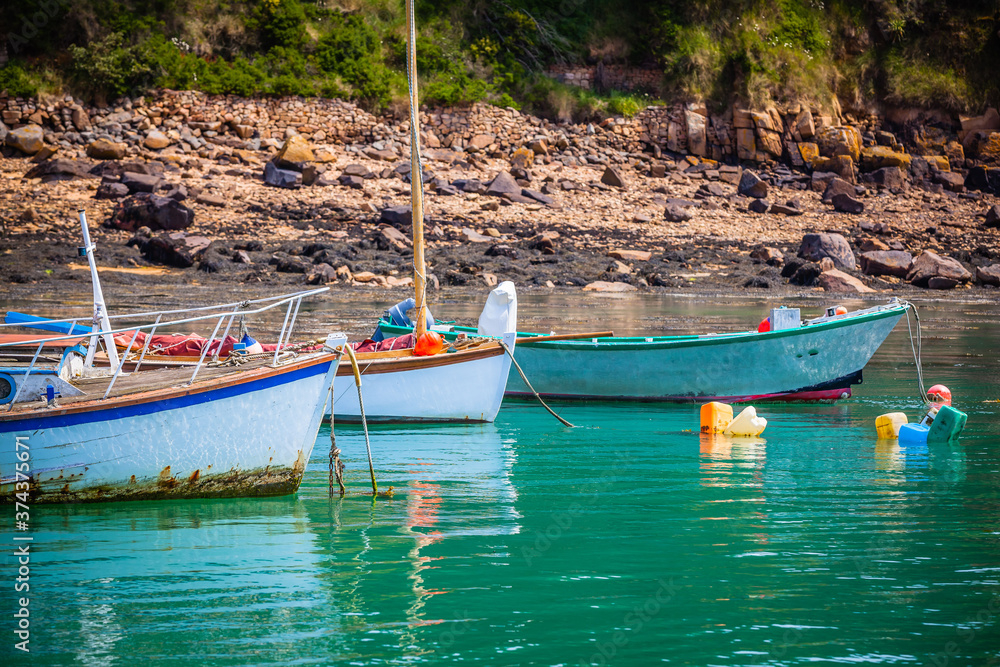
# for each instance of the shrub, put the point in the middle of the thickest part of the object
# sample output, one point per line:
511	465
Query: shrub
108	68
15	80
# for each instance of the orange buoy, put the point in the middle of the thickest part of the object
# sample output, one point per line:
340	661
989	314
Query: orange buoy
764	326
429	343
840	310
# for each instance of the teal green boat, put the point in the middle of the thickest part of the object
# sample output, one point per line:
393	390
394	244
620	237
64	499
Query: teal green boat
813	360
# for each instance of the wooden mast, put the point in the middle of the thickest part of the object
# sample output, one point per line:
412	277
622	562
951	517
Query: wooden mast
416	176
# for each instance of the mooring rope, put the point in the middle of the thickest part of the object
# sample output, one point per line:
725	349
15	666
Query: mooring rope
336	465
917	350
525	379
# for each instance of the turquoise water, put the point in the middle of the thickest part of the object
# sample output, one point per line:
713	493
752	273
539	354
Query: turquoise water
628	540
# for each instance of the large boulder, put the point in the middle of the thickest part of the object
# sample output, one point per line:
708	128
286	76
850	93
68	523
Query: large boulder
817	246
841	140
932	270
834	280
140	182
886	263
751	185
876	157
28	139
105	149
400	217
59	170
836	186
612	177
149	210
891	178
845	203
156	140
282	178
176	249
993	216
503	184
294	153
3	132
989	275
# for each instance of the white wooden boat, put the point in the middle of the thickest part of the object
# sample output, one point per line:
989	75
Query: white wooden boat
188	432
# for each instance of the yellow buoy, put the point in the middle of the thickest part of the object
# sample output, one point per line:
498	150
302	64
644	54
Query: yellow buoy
887	425
715	417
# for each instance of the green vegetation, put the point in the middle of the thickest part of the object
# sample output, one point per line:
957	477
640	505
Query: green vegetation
906	52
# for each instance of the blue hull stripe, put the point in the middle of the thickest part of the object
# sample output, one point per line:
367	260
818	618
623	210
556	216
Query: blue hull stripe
35	423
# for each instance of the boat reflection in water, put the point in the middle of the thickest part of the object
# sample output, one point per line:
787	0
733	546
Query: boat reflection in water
212	571
450	483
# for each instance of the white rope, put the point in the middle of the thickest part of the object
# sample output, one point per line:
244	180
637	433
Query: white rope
917	350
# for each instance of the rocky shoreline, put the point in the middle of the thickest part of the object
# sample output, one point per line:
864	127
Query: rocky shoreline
178	198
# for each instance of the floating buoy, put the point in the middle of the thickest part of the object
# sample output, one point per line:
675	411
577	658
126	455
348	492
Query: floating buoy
948	424
764	326
887	425
429	343
939	394
715	417
746	423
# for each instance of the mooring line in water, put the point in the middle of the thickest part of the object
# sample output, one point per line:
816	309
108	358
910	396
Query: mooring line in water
525	379
364	420
917	350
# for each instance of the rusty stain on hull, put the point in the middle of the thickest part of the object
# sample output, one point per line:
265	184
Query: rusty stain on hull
231	484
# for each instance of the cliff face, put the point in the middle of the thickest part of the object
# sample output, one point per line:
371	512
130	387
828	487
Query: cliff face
854	54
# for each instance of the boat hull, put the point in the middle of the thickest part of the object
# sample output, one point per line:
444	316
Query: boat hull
819	362
442	388
250	435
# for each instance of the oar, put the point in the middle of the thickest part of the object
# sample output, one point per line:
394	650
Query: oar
572	336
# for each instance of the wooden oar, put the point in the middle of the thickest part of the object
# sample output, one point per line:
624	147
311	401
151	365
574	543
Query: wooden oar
572	336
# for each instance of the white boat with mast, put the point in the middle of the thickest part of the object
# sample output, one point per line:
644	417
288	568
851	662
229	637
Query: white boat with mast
245	426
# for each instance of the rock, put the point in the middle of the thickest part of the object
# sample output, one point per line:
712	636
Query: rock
175	191
472	236
400	217
785	209
470	185
886	263
711	190
836	186
140	182
841	165
696	134
804	124
156	140
820	180
503	184
501	250
876	157
989	275
480	141
282	178
675	213
28	139
840	140
768	255
59	170
285	263
177	249
364	277
321	274
941	282
751	185
538	197
81	119
988	121
993	216
105	149
838	281
631	255
817	246
845	203
359	170
604	286
350	181
746	143
806	274
758	206
390	237
951	180
209	199
111	190
612	177
149	210
3	133
891	178
929	265
294	152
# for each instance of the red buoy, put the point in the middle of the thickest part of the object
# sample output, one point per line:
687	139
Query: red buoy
764	326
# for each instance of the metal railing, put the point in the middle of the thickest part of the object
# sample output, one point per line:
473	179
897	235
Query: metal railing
218	313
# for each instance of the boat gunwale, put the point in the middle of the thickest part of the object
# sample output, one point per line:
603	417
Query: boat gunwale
631	343
238	377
